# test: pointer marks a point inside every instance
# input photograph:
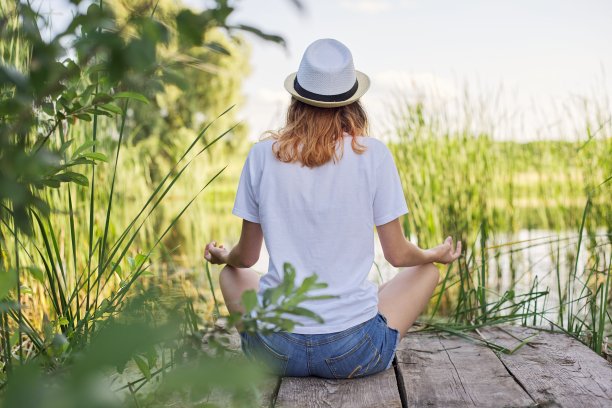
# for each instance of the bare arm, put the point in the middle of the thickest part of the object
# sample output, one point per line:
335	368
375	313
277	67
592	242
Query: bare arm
244	254
400	252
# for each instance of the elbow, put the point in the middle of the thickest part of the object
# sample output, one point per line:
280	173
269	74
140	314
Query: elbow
393	261
249	261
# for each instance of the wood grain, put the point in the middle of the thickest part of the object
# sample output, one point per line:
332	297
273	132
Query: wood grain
378	390
449	371
555	369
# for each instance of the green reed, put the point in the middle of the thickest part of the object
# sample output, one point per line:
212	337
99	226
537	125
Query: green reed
467	184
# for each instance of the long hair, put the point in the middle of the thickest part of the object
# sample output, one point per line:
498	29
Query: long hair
311	134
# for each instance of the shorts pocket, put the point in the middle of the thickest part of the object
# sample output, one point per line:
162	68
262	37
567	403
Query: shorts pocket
363	359
259	350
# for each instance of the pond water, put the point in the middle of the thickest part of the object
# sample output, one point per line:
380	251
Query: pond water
529	260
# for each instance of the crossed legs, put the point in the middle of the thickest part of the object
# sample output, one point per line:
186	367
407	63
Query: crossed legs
400	300
233	282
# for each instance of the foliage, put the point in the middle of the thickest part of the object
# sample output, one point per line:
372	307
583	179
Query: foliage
456	178
279	303
64	101
52	89
469	185
153	350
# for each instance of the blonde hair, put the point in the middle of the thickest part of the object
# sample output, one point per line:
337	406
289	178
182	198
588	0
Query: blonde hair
311	134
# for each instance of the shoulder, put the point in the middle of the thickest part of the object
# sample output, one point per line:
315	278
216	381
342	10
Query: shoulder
262	146
371	141
258	152
259	147
379	149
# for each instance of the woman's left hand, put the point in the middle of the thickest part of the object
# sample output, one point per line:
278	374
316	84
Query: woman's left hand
215	254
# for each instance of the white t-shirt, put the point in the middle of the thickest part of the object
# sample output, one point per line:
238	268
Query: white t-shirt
321	220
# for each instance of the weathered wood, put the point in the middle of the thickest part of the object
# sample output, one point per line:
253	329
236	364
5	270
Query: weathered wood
379	390
449	371
265	399
442	370
267	390
555	369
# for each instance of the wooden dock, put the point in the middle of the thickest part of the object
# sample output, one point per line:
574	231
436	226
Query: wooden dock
443	370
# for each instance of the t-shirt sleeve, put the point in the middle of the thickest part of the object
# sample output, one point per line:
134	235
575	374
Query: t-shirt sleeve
389	200
246	205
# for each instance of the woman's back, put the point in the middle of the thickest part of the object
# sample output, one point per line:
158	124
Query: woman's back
321	220
314	192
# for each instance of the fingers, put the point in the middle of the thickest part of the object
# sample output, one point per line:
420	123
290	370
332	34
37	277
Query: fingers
452	252
215	250
212	244
208	249
456	253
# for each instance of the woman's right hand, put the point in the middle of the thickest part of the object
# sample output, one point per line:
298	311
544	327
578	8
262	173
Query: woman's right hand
445	253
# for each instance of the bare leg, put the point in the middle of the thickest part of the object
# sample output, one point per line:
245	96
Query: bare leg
402	299
382	286
233	282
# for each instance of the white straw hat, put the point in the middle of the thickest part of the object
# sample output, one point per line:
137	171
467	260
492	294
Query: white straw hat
327	77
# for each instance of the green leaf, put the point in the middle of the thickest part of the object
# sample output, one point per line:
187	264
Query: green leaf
101	98
83	147
59	344
217	47
276	294
64	147
111	107
51	183
103	308
300	311
95	156
143	366
140	259
71	176
36	273
84	116
94	111
14	338
8	281
191	27
48	108
249	300
117	268
320	297
266	36
132	95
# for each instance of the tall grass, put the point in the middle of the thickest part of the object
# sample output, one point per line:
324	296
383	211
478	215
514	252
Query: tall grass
88	241
464	183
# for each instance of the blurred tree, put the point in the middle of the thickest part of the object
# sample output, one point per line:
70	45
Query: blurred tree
199	82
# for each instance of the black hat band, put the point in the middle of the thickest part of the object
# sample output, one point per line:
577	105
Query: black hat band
325	98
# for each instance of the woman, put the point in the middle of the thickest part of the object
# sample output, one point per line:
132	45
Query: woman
314	191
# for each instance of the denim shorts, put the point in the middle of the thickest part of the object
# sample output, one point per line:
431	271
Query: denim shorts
361	350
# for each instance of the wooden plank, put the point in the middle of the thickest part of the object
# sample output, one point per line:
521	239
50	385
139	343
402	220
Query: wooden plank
268	393
269	386
554	368
378	390
265	399
449	371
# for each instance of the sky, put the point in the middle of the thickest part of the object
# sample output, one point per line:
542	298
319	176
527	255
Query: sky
523	63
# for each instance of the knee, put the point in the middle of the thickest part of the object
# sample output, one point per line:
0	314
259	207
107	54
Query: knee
228	273
432	272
